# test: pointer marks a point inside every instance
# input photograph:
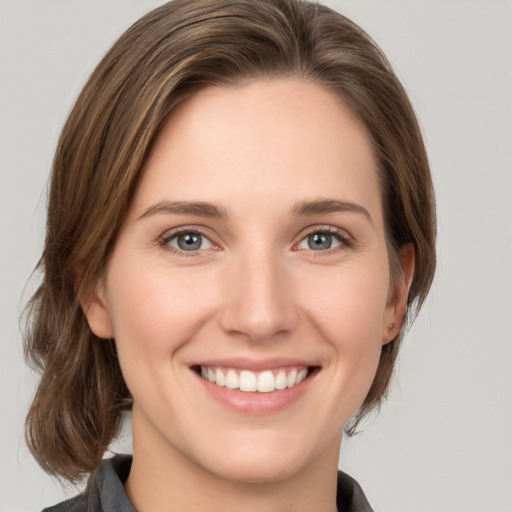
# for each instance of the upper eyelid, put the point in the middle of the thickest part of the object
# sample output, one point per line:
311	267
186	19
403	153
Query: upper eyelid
170	233
326	229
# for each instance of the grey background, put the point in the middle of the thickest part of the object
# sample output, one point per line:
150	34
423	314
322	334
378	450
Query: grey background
443	442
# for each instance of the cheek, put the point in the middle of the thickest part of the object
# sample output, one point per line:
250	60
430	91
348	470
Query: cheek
154	312
350	319
349	305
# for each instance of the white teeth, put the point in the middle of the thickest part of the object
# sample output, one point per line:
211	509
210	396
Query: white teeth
290	379
232	380
281	380
247	381
301	376
266	382
219	377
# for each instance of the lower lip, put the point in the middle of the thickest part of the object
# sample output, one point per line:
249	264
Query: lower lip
254	402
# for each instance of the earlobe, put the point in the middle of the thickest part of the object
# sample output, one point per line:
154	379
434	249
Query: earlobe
95	307
396	309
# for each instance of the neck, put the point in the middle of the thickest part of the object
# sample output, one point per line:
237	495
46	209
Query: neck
166	480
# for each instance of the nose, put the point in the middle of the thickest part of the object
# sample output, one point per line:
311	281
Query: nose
259	303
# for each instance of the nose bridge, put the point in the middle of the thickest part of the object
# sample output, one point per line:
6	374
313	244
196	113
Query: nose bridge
259	302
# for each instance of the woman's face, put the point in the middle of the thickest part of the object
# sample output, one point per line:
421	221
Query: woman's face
249	288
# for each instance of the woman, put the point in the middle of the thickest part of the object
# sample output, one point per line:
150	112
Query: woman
240	221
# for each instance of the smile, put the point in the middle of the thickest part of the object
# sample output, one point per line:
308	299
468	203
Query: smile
255	387
266	381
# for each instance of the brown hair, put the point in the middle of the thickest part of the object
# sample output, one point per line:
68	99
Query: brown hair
165	57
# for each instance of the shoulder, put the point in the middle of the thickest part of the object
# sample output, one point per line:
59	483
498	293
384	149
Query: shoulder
77	504
105	491
350	496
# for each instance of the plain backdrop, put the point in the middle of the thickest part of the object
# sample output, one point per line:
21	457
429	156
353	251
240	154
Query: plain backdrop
443	441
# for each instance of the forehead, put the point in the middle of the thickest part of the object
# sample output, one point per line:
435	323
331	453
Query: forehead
275	139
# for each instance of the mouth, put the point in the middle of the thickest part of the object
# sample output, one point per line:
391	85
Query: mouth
247	381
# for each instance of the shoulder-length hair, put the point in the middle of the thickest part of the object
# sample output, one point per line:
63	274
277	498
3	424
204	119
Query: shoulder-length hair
165	57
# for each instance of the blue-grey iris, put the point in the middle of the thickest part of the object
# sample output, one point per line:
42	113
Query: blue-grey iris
189	241
319	241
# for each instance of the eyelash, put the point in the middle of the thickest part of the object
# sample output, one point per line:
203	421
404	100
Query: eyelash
340	235
166	239
345	240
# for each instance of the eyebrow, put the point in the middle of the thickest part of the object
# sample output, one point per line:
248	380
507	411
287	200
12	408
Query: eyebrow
185	208
329	206
202	209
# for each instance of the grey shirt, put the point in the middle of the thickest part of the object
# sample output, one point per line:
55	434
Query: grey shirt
105	492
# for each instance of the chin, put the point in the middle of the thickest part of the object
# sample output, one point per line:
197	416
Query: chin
257	470
269	459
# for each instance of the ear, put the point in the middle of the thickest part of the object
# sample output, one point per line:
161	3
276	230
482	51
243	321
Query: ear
94	305
395	310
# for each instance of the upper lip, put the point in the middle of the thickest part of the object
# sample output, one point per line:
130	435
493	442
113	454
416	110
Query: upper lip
255	365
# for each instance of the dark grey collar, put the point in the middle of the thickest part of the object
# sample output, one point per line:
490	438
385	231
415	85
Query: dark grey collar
105	492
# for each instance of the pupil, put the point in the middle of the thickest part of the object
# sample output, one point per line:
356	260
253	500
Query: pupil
189	242
319	241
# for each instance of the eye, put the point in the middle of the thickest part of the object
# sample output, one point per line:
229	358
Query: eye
323	240
188	241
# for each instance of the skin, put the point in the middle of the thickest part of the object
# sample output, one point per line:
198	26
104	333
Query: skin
255	289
